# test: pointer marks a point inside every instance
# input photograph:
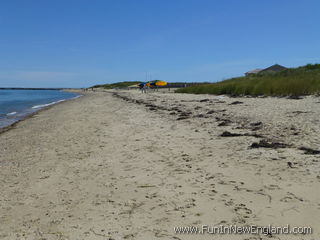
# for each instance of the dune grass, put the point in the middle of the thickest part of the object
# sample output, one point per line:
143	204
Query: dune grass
117	85
299	81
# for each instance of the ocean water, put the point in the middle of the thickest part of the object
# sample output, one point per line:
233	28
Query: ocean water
17	104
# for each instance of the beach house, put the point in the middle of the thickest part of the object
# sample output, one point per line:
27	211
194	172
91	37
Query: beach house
271	69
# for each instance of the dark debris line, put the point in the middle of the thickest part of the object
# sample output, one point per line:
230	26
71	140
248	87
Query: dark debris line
223	122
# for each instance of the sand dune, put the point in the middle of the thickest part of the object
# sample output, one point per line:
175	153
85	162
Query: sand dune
125	165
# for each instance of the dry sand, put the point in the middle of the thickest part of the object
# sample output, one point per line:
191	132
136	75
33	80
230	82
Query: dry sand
127	165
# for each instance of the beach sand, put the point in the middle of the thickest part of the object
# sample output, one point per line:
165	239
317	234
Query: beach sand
126	165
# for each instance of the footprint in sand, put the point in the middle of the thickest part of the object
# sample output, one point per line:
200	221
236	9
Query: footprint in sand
228	202
291	198
272	187
241	209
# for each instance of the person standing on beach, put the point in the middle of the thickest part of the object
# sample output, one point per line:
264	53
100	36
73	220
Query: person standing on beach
143	87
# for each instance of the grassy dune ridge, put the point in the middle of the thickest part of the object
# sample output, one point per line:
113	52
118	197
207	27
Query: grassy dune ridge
117	85
299	81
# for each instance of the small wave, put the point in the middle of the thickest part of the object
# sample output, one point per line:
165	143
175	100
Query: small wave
12	113
76	97
48	104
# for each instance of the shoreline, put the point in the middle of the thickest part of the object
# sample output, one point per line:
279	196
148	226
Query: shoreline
30	115
125	165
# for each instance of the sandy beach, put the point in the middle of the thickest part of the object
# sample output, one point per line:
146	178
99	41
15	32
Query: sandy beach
125	165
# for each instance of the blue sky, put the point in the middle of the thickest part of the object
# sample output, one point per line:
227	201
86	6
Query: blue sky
79	43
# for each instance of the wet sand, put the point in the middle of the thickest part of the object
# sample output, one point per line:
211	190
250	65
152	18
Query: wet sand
125	165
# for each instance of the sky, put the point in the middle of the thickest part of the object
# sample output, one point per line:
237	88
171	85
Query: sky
80	43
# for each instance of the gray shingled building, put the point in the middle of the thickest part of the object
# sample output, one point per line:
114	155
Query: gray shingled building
271	69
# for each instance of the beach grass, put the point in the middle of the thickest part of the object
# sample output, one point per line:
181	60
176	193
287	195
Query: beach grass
299	81
117	85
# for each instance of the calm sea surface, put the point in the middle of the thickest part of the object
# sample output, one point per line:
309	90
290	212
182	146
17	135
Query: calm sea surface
17	104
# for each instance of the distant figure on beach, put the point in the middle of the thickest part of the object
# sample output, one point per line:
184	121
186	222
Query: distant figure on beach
151	85
143	87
